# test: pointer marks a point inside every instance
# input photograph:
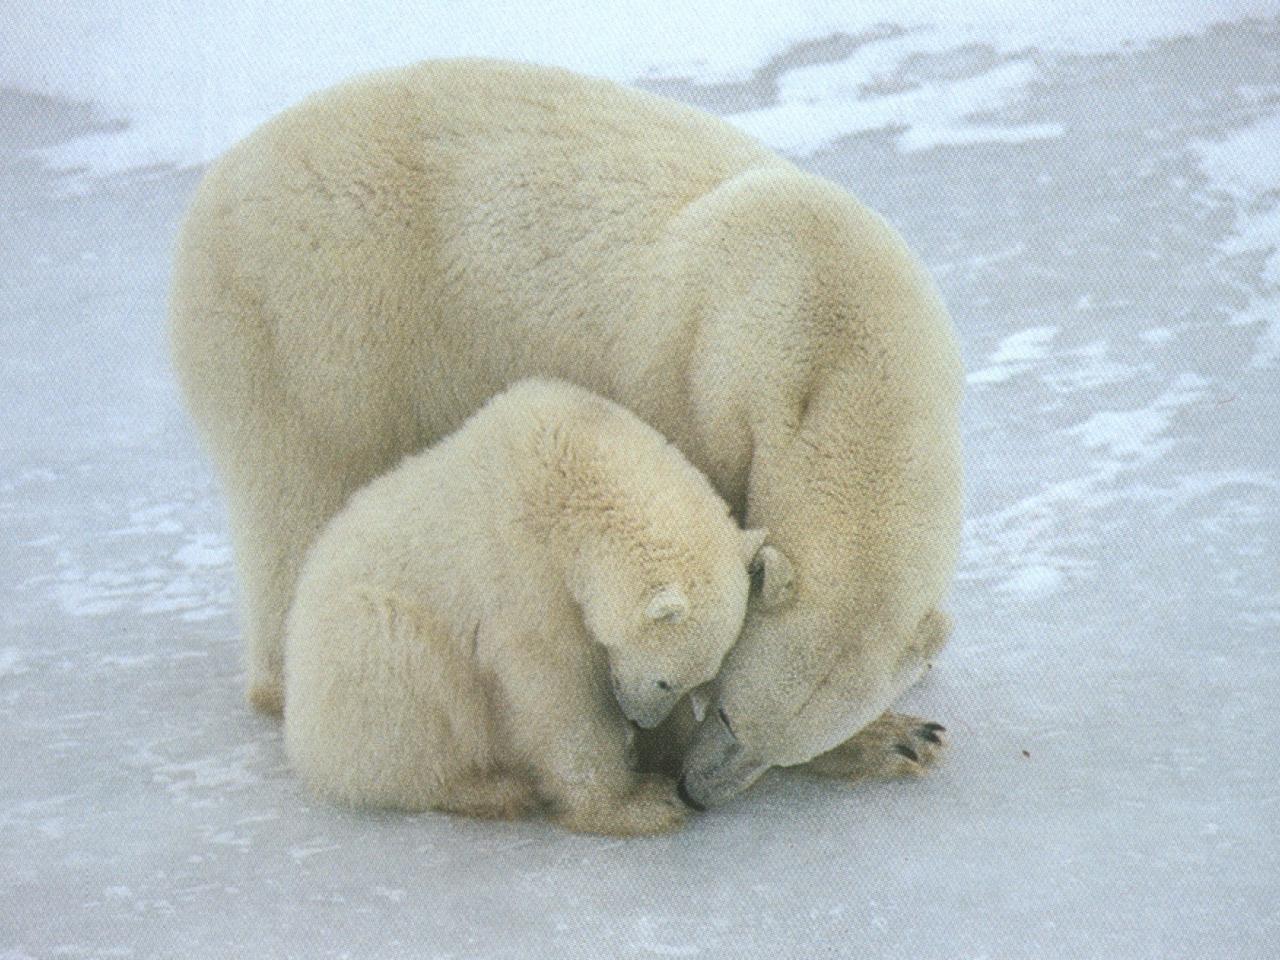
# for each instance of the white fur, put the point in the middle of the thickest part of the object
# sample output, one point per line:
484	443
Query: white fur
360	274
457	624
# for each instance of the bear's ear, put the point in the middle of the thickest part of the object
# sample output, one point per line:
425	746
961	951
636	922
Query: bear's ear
669	605
752	541
772	573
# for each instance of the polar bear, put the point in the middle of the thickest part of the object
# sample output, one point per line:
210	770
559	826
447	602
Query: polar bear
457	624
362	272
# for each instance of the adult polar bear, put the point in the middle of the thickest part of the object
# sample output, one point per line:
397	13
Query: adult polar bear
360	274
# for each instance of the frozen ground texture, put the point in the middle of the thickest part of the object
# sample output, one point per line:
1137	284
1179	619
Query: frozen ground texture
1097	190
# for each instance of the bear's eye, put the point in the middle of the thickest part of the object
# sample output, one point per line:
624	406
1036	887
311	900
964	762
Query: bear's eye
663	685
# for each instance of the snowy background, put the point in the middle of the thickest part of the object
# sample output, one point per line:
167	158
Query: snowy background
1097	189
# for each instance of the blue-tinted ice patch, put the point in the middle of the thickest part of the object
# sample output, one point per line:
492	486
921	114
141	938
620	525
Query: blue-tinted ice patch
204	550
1064	371
1033	580
12	661
820	104
1245	166
1016	354
191	581
1246	162
1140	434
1030	546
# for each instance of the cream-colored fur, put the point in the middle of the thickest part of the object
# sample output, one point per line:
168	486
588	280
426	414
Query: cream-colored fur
457	624
360	274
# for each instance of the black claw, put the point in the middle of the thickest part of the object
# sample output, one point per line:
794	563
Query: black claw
907	752
924	733
935	727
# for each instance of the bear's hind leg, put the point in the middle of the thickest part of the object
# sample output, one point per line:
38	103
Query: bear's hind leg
489	795
651	806
382	711
280	497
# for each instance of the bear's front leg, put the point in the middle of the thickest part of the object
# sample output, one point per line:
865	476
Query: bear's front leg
896	744
568	728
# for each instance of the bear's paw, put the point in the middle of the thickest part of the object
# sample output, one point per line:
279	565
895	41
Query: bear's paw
895	745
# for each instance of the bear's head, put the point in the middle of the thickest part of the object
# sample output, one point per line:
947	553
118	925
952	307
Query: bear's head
667	616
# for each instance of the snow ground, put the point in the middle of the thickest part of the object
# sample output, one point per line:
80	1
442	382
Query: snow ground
1099	199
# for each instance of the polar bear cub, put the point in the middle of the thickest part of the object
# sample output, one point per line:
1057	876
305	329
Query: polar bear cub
473	631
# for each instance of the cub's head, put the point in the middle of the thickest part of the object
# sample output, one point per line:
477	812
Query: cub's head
666	617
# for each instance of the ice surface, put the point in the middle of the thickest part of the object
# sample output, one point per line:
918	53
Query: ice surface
191	79
1246	164
829	103
1095	188
1244	161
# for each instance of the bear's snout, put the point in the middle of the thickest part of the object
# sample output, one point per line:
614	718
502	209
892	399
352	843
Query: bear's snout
682	791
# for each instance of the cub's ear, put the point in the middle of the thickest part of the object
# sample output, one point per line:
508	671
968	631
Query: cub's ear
668	605
752	541
772	573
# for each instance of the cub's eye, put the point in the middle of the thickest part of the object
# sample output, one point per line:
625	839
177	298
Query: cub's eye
663	685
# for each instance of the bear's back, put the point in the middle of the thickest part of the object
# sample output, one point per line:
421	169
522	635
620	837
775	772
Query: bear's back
511	110
474	220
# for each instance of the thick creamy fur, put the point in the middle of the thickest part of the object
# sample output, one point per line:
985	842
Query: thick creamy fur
457	624
365	270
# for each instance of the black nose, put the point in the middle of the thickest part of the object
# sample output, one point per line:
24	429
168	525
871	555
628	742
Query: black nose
683	793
